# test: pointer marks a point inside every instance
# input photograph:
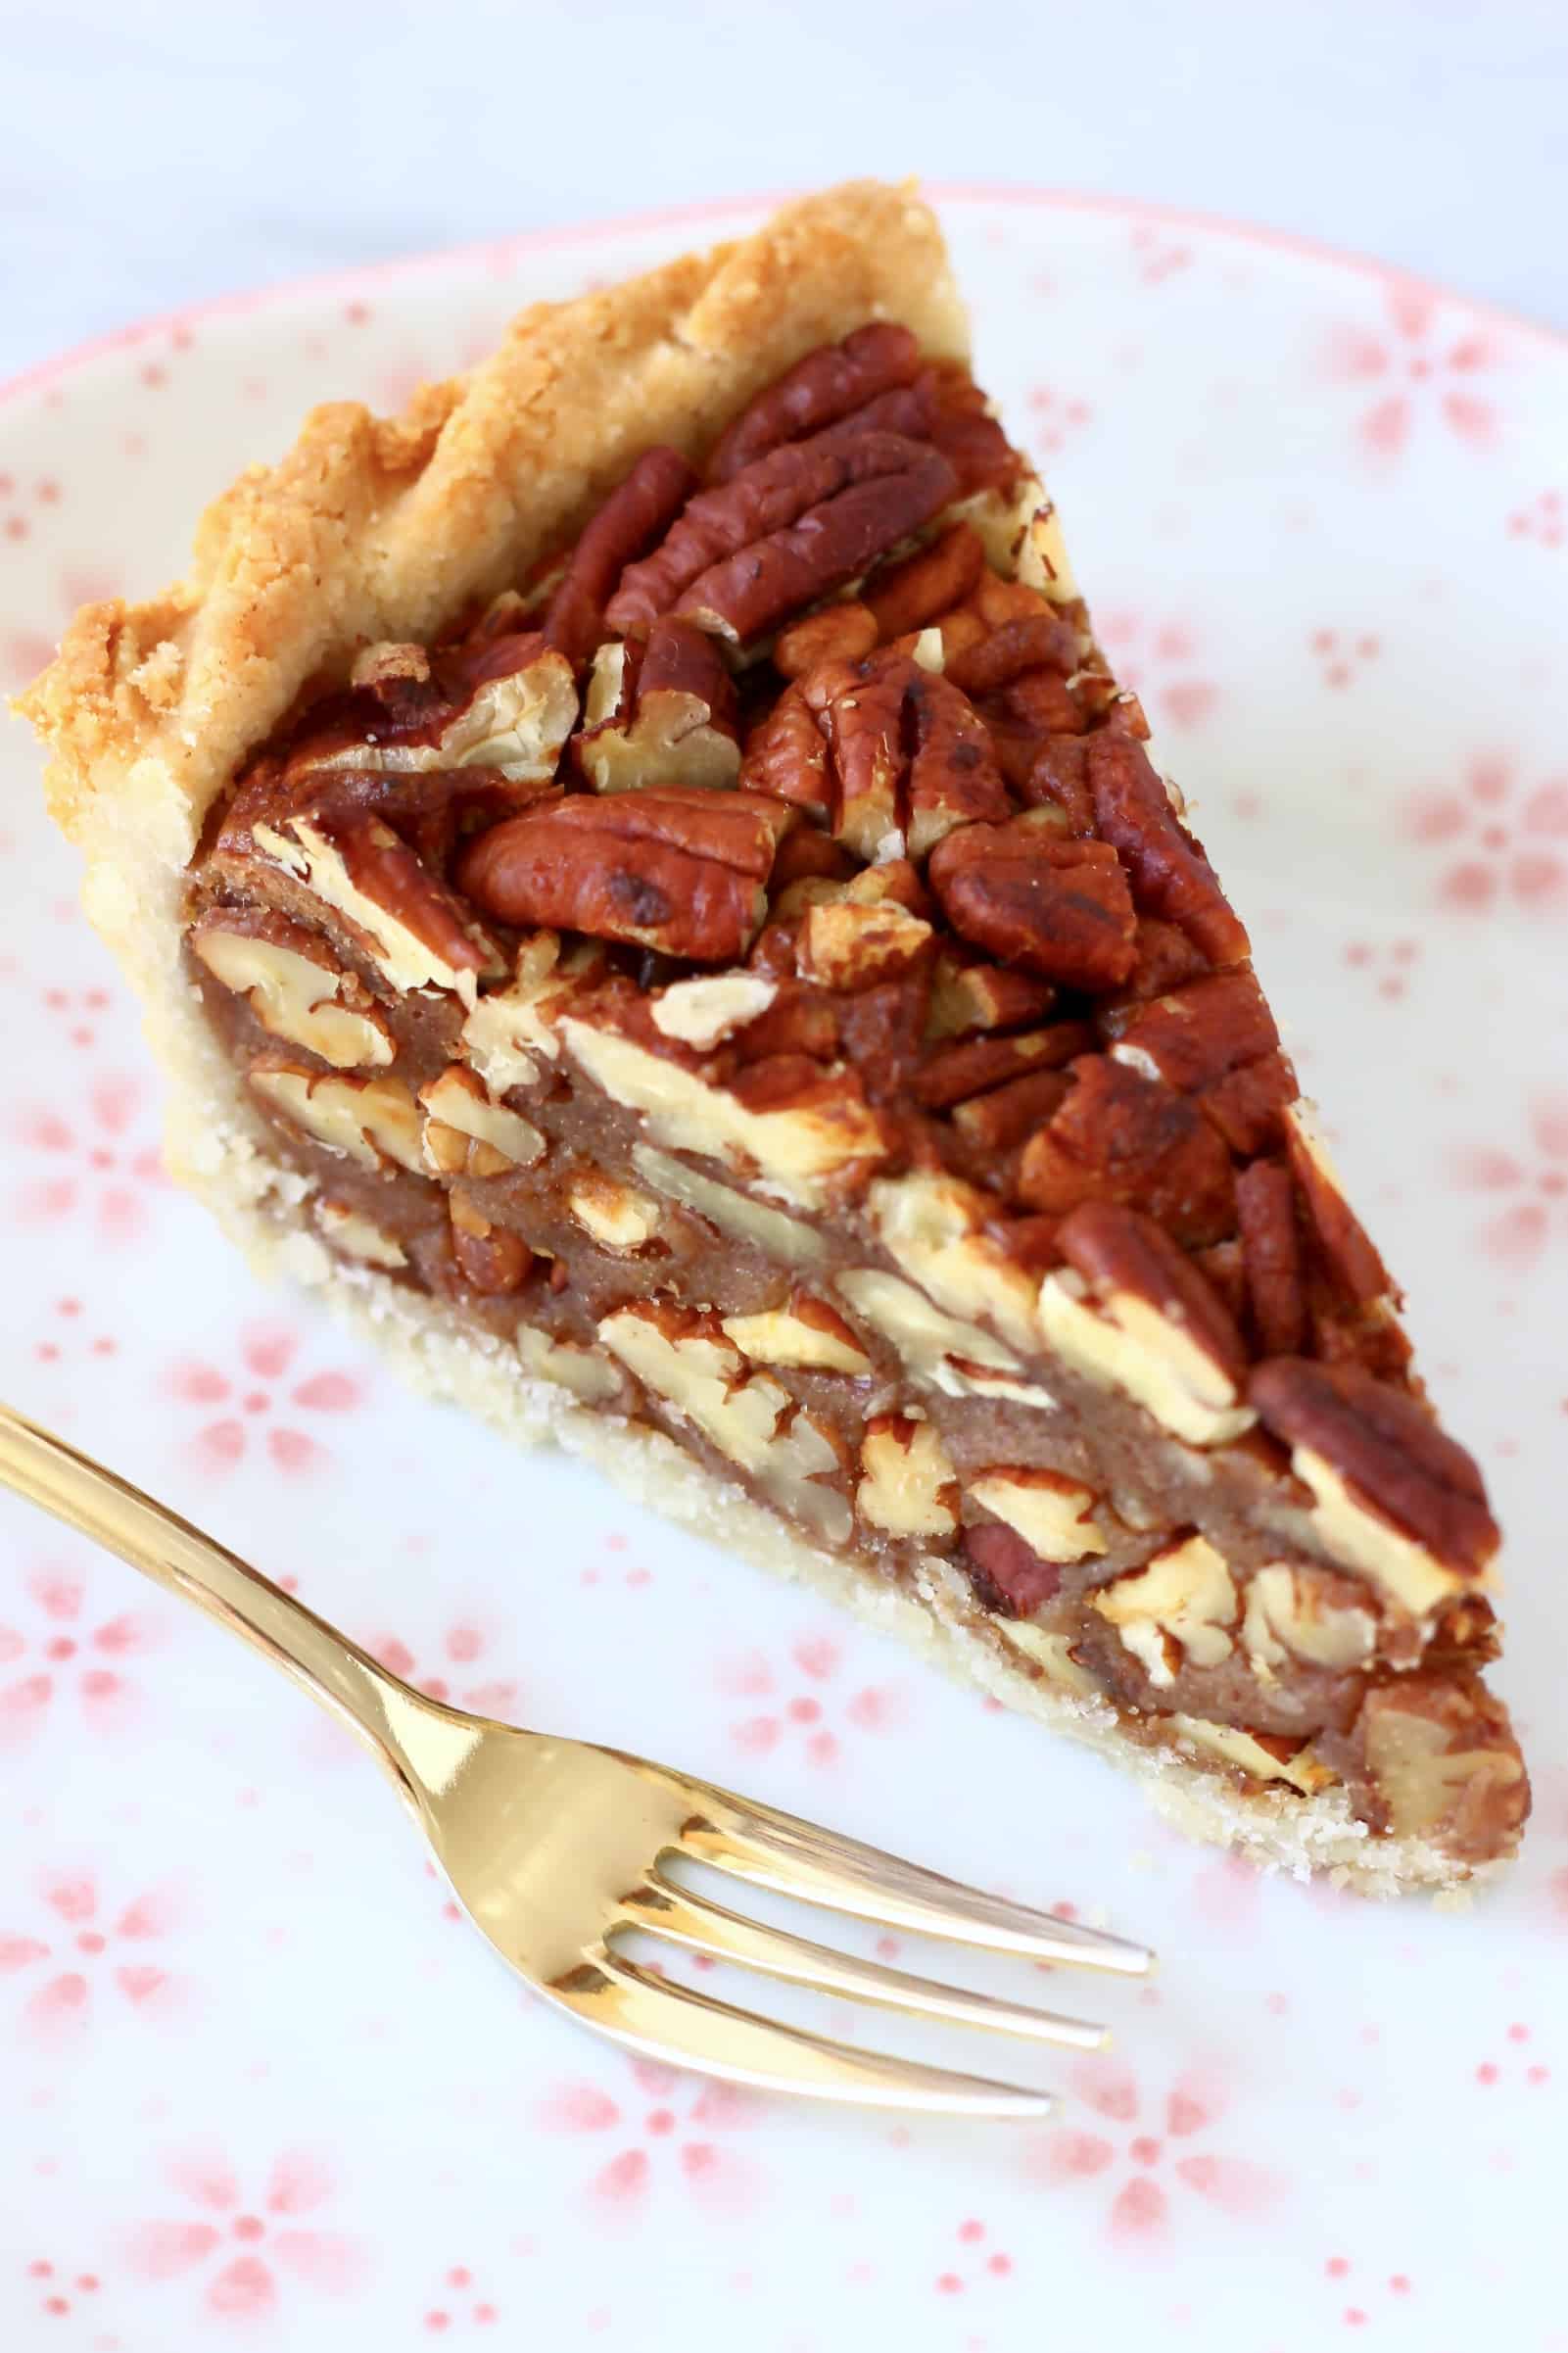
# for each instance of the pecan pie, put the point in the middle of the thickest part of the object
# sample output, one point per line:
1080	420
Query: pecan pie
648	887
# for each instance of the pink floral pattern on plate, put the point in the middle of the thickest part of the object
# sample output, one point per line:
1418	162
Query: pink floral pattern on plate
1504	843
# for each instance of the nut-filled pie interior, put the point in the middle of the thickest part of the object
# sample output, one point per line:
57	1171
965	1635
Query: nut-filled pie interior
647	888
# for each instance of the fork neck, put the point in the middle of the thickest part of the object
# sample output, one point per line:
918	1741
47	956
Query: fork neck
420	1742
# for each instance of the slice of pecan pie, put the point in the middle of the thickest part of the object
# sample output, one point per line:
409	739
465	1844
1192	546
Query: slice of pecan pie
646	886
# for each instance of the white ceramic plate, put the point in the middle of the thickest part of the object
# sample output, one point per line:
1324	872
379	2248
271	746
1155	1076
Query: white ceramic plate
254	2076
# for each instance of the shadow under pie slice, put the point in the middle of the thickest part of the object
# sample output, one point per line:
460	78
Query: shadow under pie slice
647	889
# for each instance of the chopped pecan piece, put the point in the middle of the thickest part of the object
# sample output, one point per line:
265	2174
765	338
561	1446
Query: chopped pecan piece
1170	874
1061	909
850	946
1010	1578
830	383
1248	1105
770	540
960	1072
294	988
1040	641
832	542
1387	1452
914	591
908	1488
859	707
374	1121
786	755
995	1122
418	933
634	516
1166	960
839	633
953	776
970	996
1057	777
1198	1031
490	1258
1271	1257
967	434
1441	1764
1215	1038
1125	1138
659	714
684	872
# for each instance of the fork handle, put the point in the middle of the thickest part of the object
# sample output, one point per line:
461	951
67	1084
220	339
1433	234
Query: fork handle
401	1725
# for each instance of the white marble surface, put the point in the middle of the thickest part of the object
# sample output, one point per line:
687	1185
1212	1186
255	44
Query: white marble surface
155	157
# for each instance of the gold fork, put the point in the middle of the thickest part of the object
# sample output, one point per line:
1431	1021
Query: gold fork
557	1847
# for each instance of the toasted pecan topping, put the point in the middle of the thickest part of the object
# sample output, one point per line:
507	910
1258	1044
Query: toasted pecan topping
681	871
1061	909
828	384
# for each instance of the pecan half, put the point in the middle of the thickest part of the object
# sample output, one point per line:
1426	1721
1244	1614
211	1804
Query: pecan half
1061	909
786	755
777	491
1343	1240
1387	1449
839	633
829	383
1038	640
833	539
918	588
681	871
419	933
636	514
1170	875
906	758
663	713
1197	1033
1125	1138
1271	1257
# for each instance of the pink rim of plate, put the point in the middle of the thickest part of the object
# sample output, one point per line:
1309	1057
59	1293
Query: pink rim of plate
501	251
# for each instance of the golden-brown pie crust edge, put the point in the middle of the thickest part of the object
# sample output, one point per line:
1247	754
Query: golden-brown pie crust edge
375	528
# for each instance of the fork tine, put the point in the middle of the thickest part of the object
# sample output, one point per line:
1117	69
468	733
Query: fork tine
778	1851
665	1910
663	2020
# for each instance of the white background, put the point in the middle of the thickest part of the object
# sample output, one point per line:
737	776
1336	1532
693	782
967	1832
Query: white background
157	154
